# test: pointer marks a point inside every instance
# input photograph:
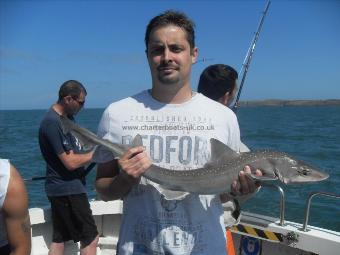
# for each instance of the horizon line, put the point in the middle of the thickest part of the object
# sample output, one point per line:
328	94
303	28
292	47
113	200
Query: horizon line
244	103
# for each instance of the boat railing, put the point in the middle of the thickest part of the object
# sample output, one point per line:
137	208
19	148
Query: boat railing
282	201
308	204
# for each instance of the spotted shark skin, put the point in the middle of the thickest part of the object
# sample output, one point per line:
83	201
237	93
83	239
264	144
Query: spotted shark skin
218	174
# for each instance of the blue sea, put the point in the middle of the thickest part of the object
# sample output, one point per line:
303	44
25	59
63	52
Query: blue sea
311	133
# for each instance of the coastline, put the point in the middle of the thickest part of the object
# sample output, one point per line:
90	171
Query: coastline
281	102
243	103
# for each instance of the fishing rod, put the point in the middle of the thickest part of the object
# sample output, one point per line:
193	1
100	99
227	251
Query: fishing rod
204	60
247	60
38	178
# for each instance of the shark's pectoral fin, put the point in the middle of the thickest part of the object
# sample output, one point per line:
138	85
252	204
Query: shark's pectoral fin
219	149
168	194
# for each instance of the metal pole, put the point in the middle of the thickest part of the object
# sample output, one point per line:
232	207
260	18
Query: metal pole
247	60
282	201
39	178
313	194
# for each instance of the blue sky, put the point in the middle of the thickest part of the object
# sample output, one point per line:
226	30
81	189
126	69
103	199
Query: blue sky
101	44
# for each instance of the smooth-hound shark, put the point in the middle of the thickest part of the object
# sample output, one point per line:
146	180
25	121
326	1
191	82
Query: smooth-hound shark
218	174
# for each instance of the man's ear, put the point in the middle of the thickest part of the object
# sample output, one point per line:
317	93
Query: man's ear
194	55
67	99
225	99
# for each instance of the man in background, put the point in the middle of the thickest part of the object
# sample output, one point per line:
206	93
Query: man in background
65	174
218	82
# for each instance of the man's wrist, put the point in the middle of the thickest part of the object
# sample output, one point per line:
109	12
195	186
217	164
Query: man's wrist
128	178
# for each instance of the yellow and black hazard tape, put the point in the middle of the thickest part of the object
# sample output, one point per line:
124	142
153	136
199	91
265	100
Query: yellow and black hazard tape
258	233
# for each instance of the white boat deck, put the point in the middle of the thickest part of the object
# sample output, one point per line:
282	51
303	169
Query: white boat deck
107	216
293	240
287	239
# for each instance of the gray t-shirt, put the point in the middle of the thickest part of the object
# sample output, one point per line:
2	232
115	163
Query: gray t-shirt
176	136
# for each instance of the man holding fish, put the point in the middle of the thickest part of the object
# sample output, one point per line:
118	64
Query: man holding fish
175	125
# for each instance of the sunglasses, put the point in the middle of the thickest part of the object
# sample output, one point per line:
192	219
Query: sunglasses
81	103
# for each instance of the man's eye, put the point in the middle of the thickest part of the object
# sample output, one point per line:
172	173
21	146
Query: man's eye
156	51
176	49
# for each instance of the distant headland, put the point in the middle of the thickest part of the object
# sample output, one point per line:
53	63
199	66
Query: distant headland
280	102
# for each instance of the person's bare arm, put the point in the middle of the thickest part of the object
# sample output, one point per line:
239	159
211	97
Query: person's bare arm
72	161
17	219
116	178
109	183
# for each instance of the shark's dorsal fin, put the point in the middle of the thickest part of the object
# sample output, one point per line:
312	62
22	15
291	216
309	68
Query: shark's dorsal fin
219	149
137	141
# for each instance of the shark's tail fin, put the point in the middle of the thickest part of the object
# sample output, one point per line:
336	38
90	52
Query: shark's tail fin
66	124
69	127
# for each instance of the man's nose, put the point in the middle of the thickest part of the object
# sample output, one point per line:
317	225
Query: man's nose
166	55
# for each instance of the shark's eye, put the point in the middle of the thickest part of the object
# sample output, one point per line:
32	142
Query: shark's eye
304	171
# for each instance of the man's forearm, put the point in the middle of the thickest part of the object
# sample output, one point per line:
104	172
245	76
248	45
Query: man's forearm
73	161
112	188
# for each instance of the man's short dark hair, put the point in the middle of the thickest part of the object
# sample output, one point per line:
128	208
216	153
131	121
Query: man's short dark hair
176	18
216	80
71	88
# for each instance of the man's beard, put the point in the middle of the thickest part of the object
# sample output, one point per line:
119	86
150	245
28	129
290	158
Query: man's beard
168	80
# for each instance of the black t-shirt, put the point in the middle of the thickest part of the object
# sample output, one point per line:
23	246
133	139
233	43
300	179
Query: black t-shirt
59	180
